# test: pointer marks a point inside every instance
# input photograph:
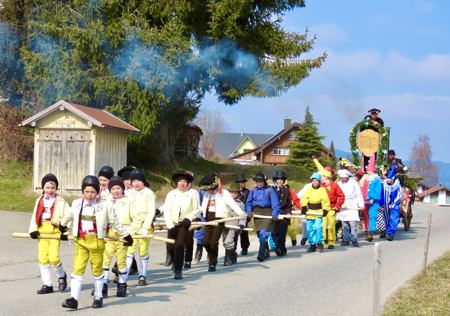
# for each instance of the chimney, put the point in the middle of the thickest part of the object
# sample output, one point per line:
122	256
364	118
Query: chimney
287	123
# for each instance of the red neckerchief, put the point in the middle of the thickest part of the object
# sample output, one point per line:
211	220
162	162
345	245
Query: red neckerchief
41	209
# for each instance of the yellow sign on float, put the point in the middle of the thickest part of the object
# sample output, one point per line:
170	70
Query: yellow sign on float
368	142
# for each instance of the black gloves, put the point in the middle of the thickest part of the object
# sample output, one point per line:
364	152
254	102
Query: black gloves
242	227
185	223
325	212
304	210
64	236
157	212
128	241
35	234
62	228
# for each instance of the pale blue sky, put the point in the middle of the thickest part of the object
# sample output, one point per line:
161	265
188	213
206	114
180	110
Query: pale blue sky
394	55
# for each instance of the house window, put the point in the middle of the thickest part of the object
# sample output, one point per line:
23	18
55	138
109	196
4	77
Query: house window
293	135
281	151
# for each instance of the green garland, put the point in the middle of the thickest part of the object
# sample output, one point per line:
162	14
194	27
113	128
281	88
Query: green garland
381	154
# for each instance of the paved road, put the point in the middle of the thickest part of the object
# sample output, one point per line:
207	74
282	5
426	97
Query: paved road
337	282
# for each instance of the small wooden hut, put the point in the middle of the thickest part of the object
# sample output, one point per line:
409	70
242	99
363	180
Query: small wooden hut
73	140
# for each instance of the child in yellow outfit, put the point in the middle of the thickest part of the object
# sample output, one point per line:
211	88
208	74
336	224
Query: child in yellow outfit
143	201
129	218
47	213
90	220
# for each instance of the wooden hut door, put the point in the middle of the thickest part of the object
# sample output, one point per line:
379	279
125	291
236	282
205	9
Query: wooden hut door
66	154
76	146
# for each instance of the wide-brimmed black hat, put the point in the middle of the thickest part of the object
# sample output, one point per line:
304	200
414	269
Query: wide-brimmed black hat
183	175
49	177
391	152
124	173
374	110
259	176
90	181
106	171
279	175
210	181
116	181
138	174
240	178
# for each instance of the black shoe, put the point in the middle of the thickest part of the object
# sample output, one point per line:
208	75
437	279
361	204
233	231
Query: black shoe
303	241
142	281
178	274
244	252
105	290
98	302
370	237
312	248
211	268
261	253
169	260
284	252
278	252
62	283
330	246
345	243
390	238
382	235
227	260
70	303
320	247
267	253
187	265
294	242
45	289
121	290
355	244
198	253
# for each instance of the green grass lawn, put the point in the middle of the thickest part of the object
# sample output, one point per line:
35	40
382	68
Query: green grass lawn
16	180
425	294
16	187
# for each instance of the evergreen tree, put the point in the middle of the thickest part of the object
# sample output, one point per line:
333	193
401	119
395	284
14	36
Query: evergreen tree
332	160
150	62
308	144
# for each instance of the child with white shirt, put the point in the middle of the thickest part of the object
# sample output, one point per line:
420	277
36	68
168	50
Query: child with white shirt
47	213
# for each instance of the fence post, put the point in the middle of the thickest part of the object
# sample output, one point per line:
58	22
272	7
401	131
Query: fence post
427	242
376	280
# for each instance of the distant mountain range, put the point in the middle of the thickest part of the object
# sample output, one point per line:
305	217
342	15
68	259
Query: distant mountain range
444	167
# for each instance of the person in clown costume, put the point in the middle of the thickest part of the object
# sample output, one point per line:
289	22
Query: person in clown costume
89	219
336	198
374	191
130	218
47	213
315	205
391	201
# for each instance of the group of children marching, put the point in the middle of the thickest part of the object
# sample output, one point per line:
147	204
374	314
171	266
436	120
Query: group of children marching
119	207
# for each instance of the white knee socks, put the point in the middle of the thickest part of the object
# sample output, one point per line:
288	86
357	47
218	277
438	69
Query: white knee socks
46	274
75	286
98	286
60	270
144	264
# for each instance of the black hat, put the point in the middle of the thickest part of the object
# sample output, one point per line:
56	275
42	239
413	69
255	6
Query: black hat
116	181
90	181
124	173
49	177
374	110
210	181
183	175
138	174
106	171
259	177
279	175
391	152
240	178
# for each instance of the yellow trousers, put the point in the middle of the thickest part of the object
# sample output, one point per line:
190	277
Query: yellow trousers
48	249
91	248
292	232
142	245
329	226
115	248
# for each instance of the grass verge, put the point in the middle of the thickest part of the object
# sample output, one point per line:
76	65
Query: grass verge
425	294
